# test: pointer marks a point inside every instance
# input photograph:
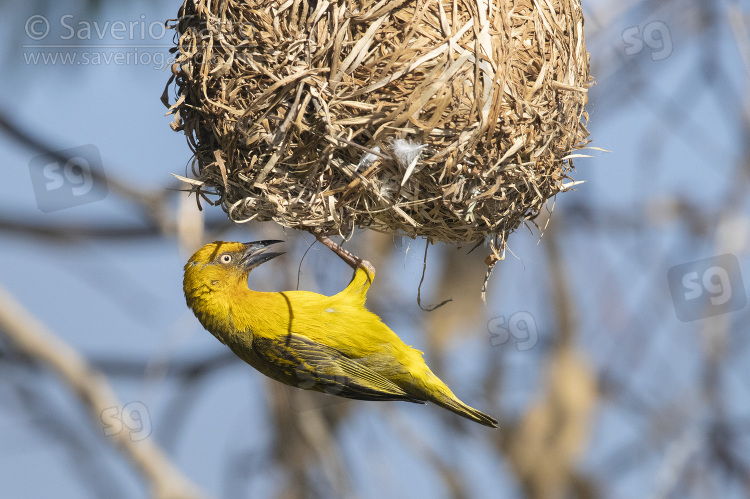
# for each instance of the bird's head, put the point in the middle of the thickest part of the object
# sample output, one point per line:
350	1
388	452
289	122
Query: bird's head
224	265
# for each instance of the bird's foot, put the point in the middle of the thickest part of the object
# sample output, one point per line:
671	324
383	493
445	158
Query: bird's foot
352	260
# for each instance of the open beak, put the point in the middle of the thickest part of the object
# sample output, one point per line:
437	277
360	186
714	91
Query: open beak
255	253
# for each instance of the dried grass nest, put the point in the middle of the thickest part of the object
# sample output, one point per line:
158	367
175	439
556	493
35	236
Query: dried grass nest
450	119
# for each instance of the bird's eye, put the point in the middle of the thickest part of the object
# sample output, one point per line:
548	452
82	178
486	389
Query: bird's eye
225	258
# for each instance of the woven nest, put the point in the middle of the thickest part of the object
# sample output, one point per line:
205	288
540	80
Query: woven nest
450	119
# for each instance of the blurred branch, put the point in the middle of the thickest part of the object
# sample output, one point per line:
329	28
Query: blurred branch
33	339
186	370
454	482
304	442
152	204
25	398
553	433
58	231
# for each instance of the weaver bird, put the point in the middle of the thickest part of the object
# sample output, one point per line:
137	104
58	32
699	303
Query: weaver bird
329	344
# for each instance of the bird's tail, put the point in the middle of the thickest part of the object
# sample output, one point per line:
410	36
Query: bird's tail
458	407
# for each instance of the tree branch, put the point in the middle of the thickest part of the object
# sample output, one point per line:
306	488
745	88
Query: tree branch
33	339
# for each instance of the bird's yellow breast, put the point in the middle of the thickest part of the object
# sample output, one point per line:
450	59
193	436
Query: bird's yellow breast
236	315
340	321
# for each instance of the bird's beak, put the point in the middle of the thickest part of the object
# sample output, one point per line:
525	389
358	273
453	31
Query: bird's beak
255	253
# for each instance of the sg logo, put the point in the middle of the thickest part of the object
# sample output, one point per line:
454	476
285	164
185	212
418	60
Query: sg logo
708	287
655	36
312	400
134	416
521	326
58	185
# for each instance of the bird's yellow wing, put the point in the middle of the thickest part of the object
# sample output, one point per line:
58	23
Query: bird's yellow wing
299	361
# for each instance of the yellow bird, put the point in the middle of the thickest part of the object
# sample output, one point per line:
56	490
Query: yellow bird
330	344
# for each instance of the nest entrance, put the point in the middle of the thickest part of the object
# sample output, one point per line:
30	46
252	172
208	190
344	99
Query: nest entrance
449	119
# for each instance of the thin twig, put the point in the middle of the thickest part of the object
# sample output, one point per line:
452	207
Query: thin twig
429	308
